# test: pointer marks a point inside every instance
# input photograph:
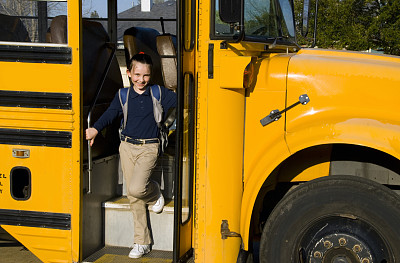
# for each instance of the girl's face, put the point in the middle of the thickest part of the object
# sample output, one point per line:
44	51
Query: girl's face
140	75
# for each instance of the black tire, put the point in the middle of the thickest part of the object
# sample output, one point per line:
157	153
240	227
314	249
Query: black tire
334	219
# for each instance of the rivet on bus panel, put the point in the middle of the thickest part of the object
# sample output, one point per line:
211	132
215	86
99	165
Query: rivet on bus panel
21	153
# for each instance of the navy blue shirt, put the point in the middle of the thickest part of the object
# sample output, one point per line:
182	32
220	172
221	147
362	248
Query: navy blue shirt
140	123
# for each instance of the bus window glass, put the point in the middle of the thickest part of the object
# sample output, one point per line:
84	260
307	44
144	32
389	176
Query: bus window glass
261	19
94	9
222	29
144	15
287	21
27	20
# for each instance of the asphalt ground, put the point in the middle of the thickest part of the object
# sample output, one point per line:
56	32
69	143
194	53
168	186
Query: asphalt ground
14	252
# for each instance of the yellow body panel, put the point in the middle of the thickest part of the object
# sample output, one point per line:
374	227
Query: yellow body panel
37	119
219	148
265	147
51	245
354	100
55	171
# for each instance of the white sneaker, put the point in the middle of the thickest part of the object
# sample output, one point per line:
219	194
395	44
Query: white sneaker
139	250
159	205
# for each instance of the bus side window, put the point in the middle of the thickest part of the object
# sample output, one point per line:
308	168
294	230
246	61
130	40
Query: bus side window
12	29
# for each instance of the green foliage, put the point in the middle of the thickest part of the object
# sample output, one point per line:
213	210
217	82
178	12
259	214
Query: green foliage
385	29
353	24
94	14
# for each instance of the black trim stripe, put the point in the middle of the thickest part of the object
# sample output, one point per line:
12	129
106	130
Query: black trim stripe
36	138
36	54
27	99
35	219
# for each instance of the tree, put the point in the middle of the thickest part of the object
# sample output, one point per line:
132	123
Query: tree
385	29
94	14
354	24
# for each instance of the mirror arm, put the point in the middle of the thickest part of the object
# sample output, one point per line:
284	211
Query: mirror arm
315	24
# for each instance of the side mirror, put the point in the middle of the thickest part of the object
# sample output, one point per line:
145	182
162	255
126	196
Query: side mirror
230	10
306	16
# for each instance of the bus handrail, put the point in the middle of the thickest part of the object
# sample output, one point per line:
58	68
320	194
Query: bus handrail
99	87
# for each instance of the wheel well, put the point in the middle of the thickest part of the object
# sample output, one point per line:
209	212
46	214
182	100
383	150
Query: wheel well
344	159
365	162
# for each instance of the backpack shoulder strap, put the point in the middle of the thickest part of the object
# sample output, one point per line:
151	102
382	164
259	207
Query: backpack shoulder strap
123	94
123	99
158	111
156	92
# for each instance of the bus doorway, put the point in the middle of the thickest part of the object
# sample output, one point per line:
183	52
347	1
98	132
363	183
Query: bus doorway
68	191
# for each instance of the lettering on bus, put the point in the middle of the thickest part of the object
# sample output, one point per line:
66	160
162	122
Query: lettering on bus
1	183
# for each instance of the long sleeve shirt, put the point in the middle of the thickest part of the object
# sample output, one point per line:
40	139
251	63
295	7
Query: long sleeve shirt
140	123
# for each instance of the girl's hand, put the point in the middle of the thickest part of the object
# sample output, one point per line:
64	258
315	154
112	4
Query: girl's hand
91	134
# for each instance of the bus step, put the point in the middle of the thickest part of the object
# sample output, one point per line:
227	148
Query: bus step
110	254
119	224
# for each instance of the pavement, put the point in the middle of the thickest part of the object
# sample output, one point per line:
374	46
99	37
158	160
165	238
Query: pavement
11	251
14	252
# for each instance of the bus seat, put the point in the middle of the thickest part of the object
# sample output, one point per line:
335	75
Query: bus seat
12	29
139	39
48	36
166	47
96	52
58	30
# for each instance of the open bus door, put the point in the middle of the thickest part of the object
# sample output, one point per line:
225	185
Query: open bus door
186	137
183	218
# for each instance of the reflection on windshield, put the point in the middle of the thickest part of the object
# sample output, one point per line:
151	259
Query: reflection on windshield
260	18
263	20
288	22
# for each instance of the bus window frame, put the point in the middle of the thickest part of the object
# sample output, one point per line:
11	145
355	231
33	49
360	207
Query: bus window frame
280	40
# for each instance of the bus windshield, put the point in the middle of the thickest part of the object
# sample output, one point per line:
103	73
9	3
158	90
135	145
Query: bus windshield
264	20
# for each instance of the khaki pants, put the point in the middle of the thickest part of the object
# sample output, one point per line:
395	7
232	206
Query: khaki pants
137	162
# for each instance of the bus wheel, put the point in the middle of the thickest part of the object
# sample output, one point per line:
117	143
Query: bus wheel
334	219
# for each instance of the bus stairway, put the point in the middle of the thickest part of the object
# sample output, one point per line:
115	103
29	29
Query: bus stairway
119	234
111	254
119	225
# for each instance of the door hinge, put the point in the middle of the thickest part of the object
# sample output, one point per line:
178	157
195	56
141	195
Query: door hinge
225	232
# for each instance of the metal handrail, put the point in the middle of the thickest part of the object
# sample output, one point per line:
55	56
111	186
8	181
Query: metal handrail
99	87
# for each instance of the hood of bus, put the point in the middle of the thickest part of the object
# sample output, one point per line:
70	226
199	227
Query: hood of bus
353	99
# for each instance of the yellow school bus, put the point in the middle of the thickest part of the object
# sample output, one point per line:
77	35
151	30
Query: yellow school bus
278	153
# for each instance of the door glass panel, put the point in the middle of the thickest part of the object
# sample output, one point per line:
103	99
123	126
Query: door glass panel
187	152
222	29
